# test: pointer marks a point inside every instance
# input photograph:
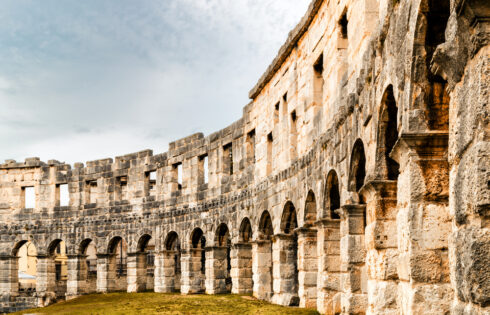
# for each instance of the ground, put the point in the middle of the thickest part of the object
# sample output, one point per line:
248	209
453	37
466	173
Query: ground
158	303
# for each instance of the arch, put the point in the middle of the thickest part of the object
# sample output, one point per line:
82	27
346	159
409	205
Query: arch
288	220
87	270
266	229
53	246
23	273
387	136
171	241
82	249
197	238
310	209
111	247
245	232
143	243
222	235
332	195
357	170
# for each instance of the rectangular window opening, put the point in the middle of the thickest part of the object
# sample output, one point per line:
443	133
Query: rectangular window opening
251	146
269	153
318	81
178	169
29	197
228	159
151	182
91	191
276	113
122	187
204	169
63	194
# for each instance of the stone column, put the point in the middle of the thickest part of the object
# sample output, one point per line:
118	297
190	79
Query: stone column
284	270
192	278
262	269
423	223
381	246
9	279
353	258
216	270
106	273
329	276
77	276
45	280
166	272
136	272
307	267
241	268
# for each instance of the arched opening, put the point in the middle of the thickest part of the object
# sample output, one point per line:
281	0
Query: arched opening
218	270
223	240
172	269
387	135
141	265
310	209
332	195
357	172
118	269
87	268
198	244
262	258
245	231
241	260
265	226
286	245
24	269
437	98
57	268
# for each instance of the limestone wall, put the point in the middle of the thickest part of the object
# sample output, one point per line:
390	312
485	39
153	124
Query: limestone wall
355	182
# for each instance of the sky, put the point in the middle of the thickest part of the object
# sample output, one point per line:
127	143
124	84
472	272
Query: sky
85	80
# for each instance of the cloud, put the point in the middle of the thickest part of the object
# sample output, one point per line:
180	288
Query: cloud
87	79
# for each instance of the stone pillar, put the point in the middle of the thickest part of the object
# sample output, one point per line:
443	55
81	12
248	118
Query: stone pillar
329	273
166	272
284	270
423	224
262	269
307	267
45	280
216	270
136	272
353	258
381	246
241	268
192	277
9	279
77	276
106	273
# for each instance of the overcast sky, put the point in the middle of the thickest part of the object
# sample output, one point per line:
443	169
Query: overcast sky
83	80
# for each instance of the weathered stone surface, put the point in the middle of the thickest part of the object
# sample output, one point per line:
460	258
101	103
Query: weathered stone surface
356	181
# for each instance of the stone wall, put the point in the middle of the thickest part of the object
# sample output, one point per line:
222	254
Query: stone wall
355	182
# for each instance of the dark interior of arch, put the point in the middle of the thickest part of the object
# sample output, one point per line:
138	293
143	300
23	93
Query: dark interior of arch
143	242
265	225
333	195
437	96
389	128
84	245
357	167
288	220
172	241
245	231
223	235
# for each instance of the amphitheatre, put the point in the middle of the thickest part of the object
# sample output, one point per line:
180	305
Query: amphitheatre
357	181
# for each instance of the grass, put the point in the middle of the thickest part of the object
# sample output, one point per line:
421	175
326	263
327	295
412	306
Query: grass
158	303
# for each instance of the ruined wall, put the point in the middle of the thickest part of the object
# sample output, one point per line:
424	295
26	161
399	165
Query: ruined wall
356	181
